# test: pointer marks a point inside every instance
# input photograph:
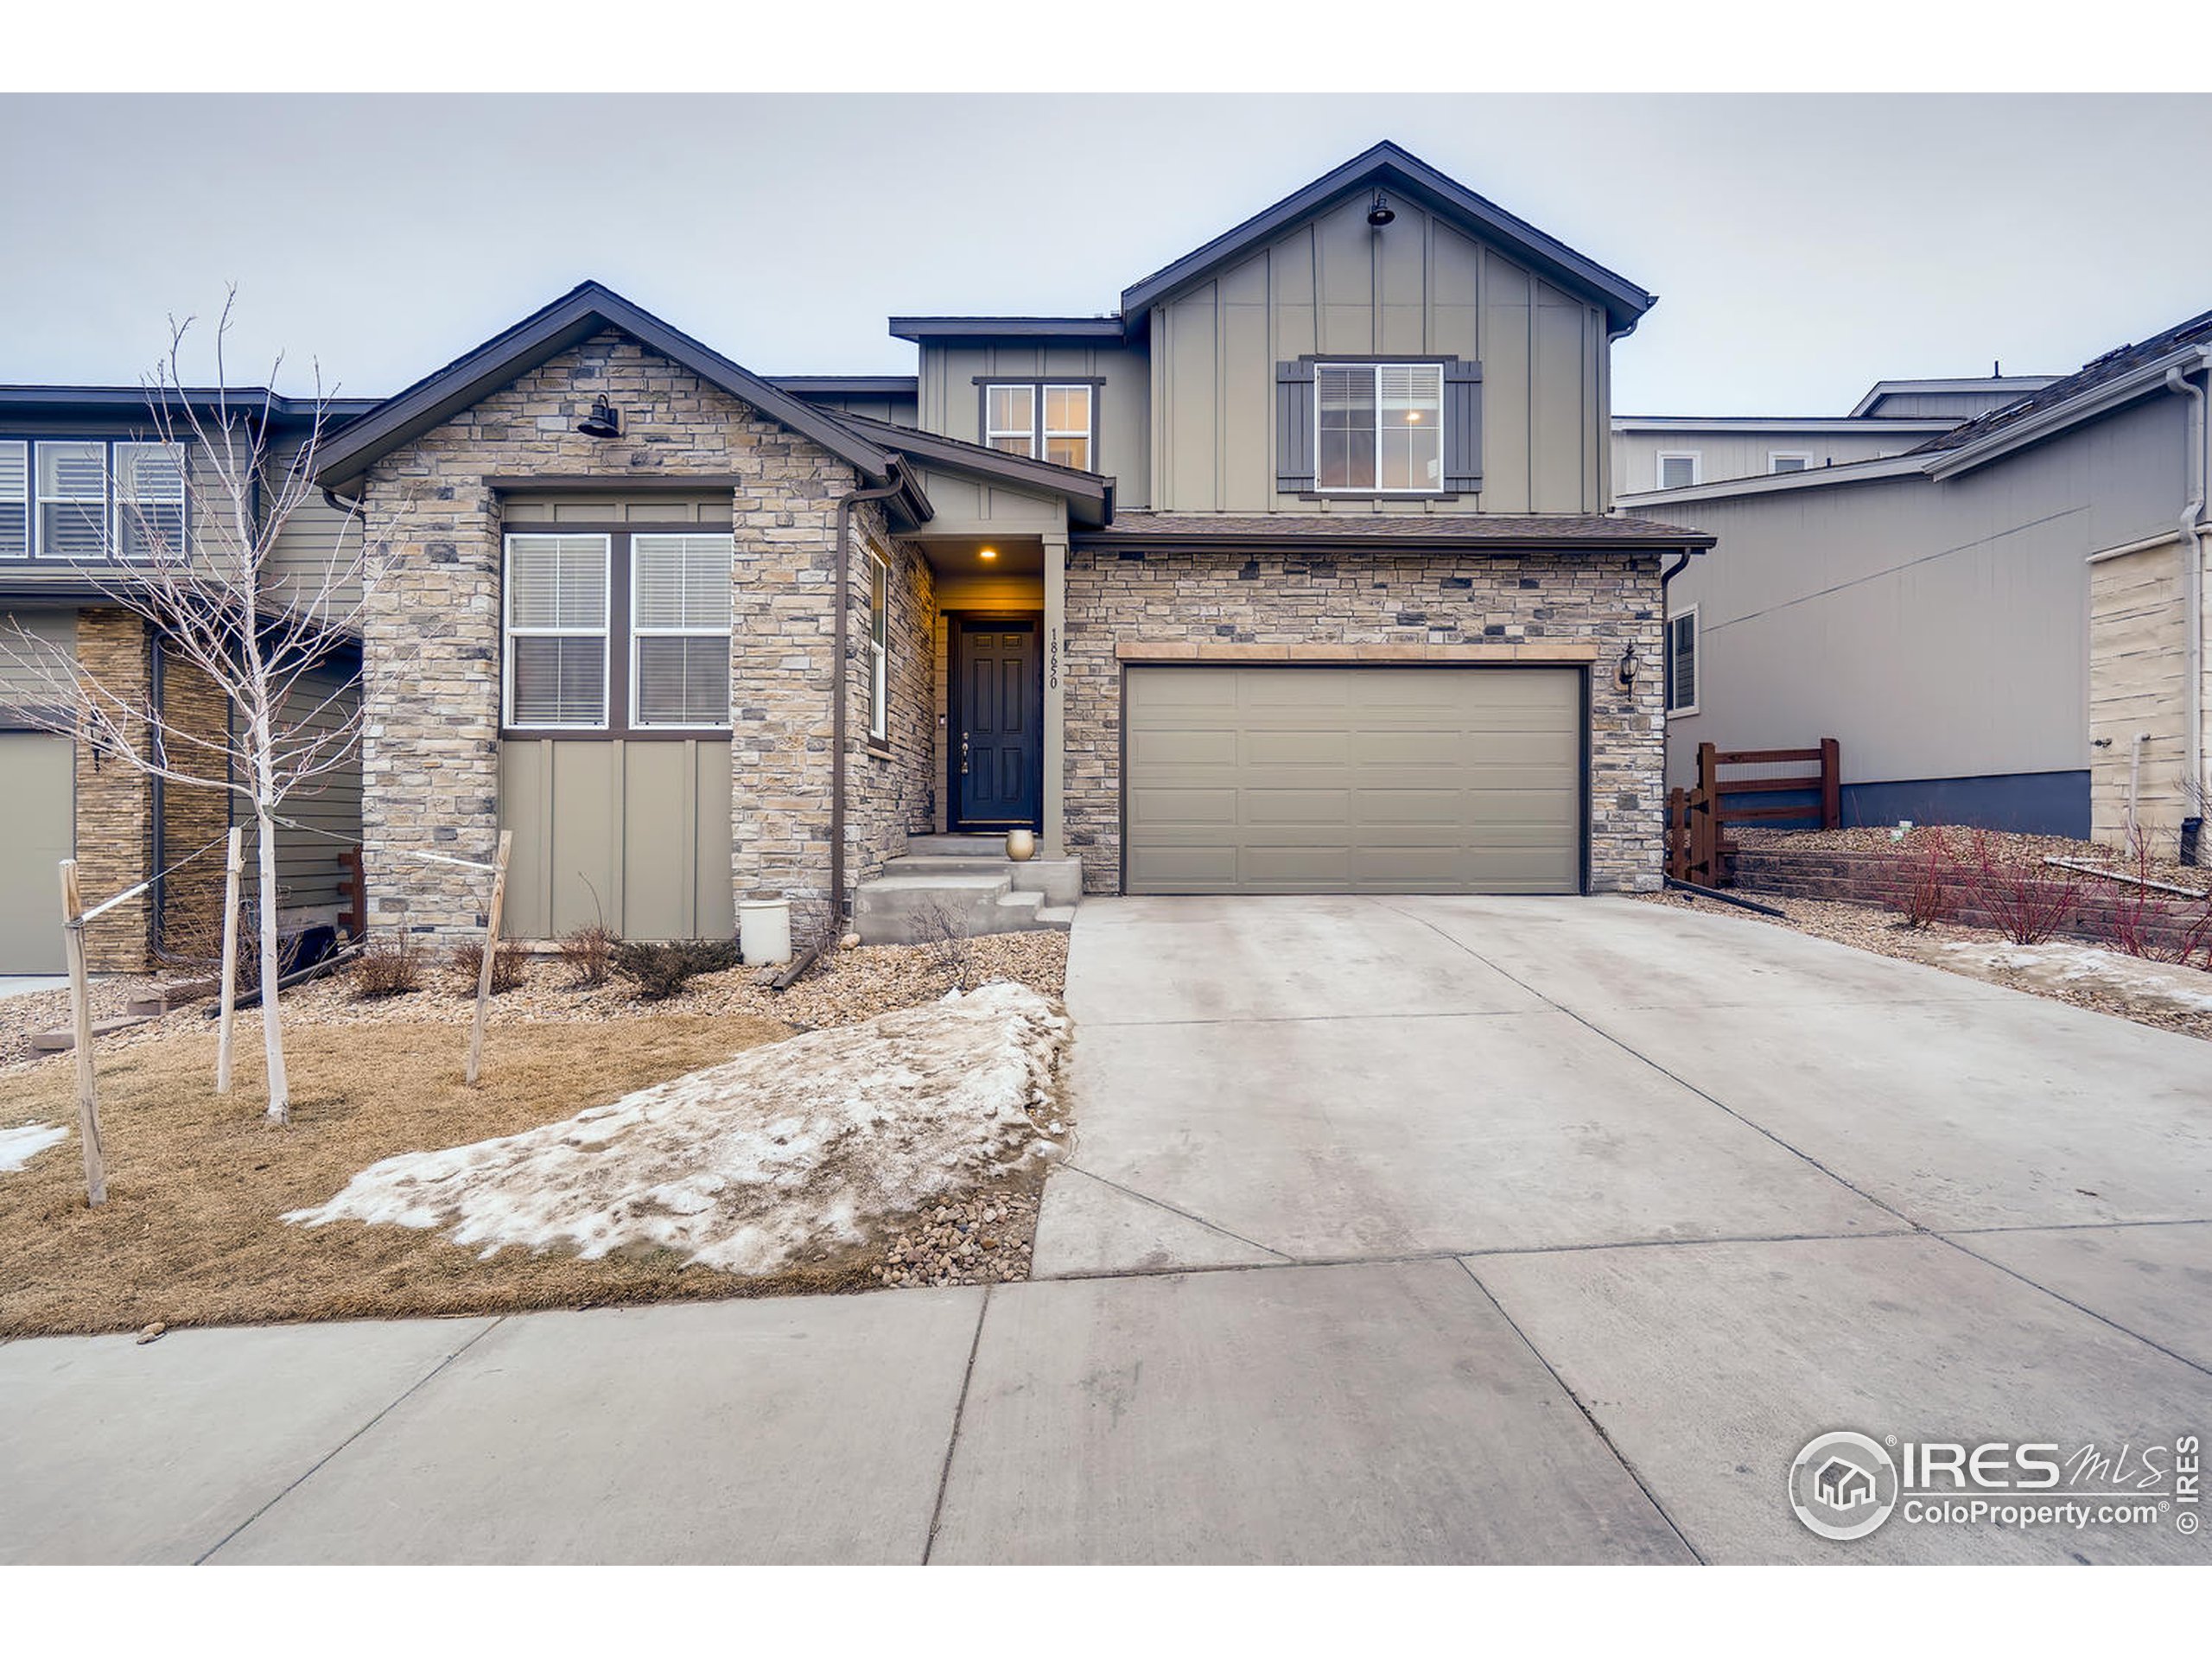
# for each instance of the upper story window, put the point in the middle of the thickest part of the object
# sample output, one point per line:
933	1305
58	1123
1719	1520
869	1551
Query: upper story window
1379	427
1682	662
1680	468
1045	420
86	500
1349	428
1782	461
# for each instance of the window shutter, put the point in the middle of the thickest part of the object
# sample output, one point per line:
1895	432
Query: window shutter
1463	427
1293	428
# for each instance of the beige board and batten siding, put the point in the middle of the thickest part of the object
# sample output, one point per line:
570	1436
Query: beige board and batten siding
951	402
634	834
38	830
1332	286
1353	779
1937	628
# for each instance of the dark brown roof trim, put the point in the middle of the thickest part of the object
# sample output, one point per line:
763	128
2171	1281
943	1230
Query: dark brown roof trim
583	311
1396	170
1090	493
1007	328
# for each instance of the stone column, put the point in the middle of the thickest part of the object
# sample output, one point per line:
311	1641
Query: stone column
1055	765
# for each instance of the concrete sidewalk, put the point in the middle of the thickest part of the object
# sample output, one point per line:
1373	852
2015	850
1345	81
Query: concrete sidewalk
1405	1230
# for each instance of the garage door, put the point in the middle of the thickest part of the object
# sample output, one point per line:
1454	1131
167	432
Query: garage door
1353	779
35	835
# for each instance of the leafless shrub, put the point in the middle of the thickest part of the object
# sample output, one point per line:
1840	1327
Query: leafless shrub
388	966
662	970
467	964
2026	899
2141	921
1926	881
945	932
590	953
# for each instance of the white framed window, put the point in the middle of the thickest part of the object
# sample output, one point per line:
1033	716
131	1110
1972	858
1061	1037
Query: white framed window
149	500
1682	662
680	630
879	650
72	524
15	499
1788	460
1378	428
1046	420
557	597
1680	468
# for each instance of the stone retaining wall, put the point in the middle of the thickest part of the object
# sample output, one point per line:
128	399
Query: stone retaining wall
1878	880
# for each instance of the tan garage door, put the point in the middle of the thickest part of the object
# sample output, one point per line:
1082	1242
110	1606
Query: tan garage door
36	833
1353	779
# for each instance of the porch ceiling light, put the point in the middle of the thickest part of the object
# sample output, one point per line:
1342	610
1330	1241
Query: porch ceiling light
601	423
986	553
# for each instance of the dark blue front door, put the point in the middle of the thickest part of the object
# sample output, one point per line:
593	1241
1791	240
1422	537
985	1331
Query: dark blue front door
998	707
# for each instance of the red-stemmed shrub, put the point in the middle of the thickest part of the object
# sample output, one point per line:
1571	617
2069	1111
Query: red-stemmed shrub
1928	878
2026	899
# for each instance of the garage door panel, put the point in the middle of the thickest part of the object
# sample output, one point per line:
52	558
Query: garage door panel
1354	780
37	831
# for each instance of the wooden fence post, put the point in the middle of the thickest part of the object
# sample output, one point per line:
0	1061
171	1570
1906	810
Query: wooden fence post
80	1015
235	862
491	951
1831	784
1708	769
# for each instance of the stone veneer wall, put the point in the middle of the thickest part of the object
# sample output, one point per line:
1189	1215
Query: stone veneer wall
888	790
430	748
192	899
1404	604
115	800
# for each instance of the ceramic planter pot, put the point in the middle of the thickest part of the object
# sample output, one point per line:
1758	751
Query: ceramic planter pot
1020	845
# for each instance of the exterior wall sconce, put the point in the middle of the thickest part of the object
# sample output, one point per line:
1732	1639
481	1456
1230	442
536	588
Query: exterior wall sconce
1626	674
1379	212
602	422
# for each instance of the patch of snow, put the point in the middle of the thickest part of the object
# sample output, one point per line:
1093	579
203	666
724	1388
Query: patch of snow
19	1146
792	1148
2060	962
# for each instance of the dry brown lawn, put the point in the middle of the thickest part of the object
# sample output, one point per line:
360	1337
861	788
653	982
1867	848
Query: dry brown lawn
190	1233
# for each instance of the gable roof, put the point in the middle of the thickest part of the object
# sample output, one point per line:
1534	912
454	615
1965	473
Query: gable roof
1089	496
583	311
1397	171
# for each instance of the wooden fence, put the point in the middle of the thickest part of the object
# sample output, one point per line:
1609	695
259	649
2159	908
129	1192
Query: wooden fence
1698	846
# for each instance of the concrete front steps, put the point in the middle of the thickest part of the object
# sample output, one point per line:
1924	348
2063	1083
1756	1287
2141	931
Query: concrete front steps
973	883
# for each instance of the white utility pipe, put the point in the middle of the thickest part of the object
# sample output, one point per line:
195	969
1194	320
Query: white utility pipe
2193	529
2134	780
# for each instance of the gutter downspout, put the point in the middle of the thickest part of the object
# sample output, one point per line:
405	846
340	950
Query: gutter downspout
2193	532
894	484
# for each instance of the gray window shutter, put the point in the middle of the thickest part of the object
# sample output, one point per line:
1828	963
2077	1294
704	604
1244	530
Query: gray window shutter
1293	428
1463	427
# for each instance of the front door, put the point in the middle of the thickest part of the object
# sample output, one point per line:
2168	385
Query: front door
997	714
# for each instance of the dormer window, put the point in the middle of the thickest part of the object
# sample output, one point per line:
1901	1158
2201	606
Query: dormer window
1379	427
1046	420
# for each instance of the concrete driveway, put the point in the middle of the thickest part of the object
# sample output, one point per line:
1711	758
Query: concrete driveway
1405	1230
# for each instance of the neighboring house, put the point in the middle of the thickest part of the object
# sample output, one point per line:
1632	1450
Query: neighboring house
81	473
1294	575
1675	452
2002	627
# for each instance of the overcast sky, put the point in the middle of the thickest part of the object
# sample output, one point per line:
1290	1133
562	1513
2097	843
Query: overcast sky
1802	247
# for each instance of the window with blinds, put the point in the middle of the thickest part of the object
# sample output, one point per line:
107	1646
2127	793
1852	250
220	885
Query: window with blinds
1011	422
1379	427
72	502
556	607
879	650
14	501
680	630
1681	663
148	501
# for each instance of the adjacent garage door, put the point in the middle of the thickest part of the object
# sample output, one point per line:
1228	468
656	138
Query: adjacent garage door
36	833
1353	779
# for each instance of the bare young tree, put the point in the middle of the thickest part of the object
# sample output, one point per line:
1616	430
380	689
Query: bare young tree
213	592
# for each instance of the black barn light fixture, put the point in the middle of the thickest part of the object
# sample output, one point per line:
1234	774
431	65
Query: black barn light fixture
601	423
1379	211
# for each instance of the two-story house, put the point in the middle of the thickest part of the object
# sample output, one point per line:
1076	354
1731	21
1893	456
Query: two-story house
92	486
1293	573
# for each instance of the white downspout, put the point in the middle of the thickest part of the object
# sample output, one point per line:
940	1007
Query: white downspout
2193	528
